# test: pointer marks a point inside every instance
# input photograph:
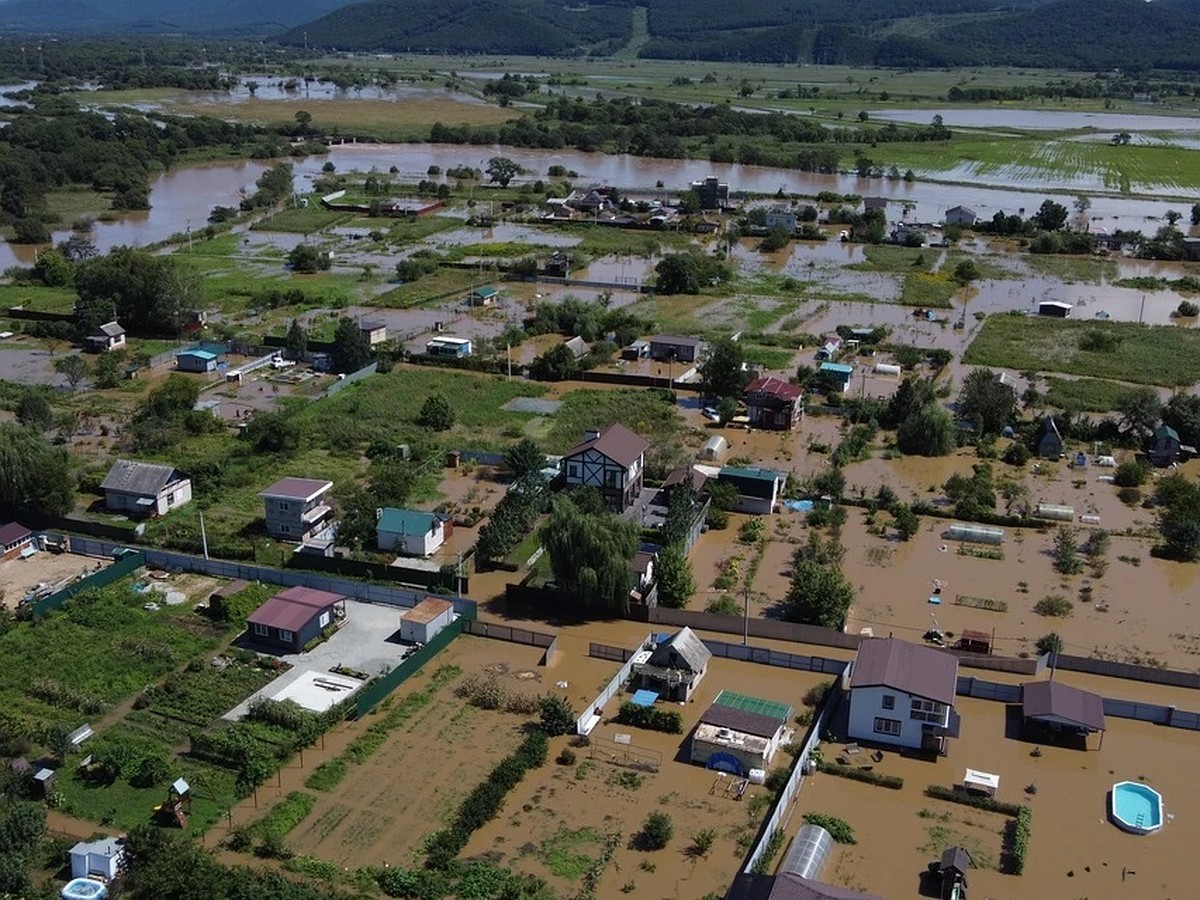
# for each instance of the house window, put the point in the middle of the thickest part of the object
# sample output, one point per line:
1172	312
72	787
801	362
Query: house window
573	471
611	479
170	499
889	701
324	620
287	637
926	711
284	506
887	726
285	529
261	630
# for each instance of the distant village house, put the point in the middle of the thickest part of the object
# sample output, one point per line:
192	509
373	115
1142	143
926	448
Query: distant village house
144	489
409	532
296	509
109	336
774	403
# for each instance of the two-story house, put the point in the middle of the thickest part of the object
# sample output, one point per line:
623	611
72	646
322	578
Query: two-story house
903	694
296	508
613	461
773	402
144	489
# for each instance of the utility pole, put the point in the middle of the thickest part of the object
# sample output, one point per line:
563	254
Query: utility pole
203	536
746	615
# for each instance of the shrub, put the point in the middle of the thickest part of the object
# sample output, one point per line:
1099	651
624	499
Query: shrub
1049	643
150	770
327	775
656	833
839	829
1017	454
868	776
557	716
976	801
1186	310
1130	474
702	842
724	605
566	757
283	817
651	719
1054	606
815	695
1016	841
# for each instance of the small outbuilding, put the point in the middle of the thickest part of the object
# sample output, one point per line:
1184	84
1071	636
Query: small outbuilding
421	624
758	489
109	336
1057	707
484	296
953	871
293	617
100	859
1055	309
739	733
1049	441
15	540
198	361
836	375
675	666
715	449
410	532
458	348
1166	447
374	331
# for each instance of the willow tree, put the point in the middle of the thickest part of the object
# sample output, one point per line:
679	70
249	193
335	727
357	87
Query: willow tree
590	554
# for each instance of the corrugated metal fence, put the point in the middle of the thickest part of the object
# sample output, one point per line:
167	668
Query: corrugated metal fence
768	657
106	576
587	721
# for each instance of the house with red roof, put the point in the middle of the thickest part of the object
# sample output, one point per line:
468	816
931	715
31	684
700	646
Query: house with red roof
613	461
297	509
774	403
293	617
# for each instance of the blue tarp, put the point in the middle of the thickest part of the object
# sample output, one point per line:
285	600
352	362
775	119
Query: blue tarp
799	505
644	698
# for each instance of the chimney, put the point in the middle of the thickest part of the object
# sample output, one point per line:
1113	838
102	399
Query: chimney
591	434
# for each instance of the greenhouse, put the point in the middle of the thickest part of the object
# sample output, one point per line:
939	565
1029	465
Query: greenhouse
976	534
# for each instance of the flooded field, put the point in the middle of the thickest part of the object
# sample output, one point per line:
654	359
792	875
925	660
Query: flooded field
1041	119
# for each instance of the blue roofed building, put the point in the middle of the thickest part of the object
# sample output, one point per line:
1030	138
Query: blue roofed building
836	375
197	361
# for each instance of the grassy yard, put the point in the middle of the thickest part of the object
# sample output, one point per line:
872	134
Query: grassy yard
1142	354
932	290
445	282
1085	394
1073	269
37	297
642	411
303	220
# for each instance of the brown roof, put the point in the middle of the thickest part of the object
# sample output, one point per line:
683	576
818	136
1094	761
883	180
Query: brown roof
792	887
294	608
775	387
911	668
297	488
616	442
427	610
1056	702
13	532
741	720
677	476
236	586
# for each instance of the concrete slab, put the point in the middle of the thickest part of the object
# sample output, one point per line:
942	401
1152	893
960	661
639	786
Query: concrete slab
317	691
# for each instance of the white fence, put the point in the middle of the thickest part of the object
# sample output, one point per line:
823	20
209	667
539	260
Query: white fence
589	719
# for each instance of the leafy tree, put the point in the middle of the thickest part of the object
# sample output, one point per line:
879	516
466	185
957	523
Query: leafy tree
656	832
673	574
296	346
308	258
1049	643
1140	410
524	458
303	119
107	370
1196	213
392	480
168	415
1131	473
818	595
721	373
966	272
678	273
777	238
1066	551
351	349
590	554
72	367
913	395
34	475
77	248
975	497
436	414
31	231
148	294
53	269
1179	517
986	402
501	170
272	432
907	522
34	412
1182	413
1050	216
681	509
556	715
556	364
927	432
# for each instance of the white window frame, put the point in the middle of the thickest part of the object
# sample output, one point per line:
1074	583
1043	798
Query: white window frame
286	636
261	630
890	727
922	710
326	618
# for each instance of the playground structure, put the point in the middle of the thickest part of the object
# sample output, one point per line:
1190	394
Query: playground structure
178	805
725	786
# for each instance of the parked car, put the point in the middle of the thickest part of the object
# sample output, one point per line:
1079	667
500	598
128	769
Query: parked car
711	414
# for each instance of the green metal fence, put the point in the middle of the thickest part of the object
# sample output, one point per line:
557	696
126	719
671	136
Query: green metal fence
374	694
128	563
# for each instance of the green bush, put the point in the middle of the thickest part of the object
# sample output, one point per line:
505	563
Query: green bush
557	716
327	776
839	829
869	776
566	757
651	719
1053	605
284	816
1017	836
1130	474
977	801
656	832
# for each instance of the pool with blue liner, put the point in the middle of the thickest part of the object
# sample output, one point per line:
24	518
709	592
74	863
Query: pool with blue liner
1136	808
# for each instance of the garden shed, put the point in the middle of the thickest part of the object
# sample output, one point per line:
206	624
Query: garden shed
714	448
739	733
1062	709
421	624
102	858
1049	441
675	666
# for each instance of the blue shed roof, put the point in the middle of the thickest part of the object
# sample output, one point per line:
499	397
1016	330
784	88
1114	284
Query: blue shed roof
838	368
198	354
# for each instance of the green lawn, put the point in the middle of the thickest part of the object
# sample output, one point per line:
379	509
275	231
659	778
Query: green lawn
1085	394
304	220
443	283
642	411
37	297
1142	354
921	289
1074	269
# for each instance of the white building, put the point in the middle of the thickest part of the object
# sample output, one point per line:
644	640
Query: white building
101	858
421	624
144	489
409	532
902	694
612	461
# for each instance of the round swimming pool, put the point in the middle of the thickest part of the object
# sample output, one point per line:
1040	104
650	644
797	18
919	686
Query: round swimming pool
1136	807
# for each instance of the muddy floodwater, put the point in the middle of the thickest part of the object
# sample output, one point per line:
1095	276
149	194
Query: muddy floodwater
1041	119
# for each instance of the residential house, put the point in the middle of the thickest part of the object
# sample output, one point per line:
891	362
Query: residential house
702	225
758	489
775	403
836	375
788	886
1166	448
612	461
422	623
15	540
293	617
297	509
374	331
636	350
100	859
578	347
591	202
557	265
1049	441
961	215
675	347
830	348
909	235
713	193
870	203
902	694
675	667
409	532
457	348
144	489
739	733
781	218
483	296
109	336
1056	707
198	361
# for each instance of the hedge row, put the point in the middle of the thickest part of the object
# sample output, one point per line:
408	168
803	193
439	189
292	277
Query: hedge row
1017	837
650	718
483	804
870	776
978	801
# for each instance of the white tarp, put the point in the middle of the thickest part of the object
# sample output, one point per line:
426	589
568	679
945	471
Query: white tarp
981	781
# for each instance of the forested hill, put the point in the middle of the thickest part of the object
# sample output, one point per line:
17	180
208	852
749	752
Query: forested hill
1084	34
262	17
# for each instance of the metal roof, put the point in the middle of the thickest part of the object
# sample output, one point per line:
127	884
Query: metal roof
427	610
1055	702
292	609
406	521
956	858
839	368
683	650
741	720
780	712
142	478
110	329
911	668
297	489
13	532
678	340
205	355
774	387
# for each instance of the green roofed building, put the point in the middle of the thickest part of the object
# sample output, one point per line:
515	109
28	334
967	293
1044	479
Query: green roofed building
739	733
758	489
409	532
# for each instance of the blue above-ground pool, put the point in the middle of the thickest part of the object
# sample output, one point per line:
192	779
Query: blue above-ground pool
84	889
1136	807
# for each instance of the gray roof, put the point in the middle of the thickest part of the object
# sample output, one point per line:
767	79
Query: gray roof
911	668
955	858
741	720
578	346
683	651
110	329
1048	426
677	340
104	847
616	442
793	887
1053	701
297	488
142	478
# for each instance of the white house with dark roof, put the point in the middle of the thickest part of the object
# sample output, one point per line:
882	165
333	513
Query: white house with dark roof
144	489
612	461
675	347
296	509
902	694
109	336
374	331
675	668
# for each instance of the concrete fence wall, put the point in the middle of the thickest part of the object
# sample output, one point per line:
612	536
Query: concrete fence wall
588	719
768	657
